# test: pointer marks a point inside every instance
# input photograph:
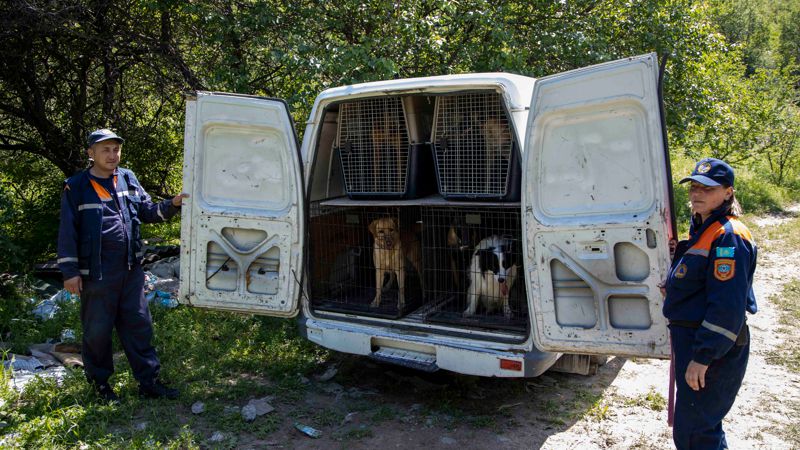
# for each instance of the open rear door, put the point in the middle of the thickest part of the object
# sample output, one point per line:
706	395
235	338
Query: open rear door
242	229
596	210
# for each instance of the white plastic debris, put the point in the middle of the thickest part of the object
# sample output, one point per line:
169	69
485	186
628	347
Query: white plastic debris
261	405
328	375
68	335
249	413
218	436
28	363
47	309
308	431
198	408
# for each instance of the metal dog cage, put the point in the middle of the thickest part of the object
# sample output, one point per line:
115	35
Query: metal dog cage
451	241
343	266
474	146
378	153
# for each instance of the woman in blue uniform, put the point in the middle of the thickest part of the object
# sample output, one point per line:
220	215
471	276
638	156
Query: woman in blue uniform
708	290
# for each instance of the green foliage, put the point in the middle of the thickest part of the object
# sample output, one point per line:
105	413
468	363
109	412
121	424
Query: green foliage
19	327
729	87
30	190
651	400
219	358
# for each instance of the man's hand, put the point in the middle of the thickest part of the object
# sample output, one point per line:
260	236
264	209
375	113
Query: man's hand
74	285
178	199
696	375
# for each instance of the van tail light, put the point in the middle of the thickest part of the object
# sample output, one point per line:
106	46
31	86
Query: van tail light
510	364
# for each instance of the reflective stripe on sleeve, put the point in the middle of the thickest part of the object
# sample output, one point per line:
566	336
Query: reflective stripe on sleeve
718	329
697	251
67	259
122	194
158	210
84	271
90	206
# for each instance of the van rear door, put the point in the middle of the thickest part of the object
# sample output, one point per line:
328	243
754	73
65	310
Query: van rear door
597	211
242	229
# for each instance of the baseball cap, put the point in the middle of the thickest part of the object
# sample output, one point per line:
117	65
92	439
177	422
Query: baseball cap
711	172
100	135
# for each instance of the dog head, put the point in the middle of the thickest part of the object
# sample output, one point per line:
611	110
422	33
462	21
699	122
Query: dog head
385	232
496	255
496	133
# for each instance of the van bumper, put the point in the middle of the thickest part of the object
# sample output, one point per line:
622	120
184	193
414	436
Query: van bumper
426	352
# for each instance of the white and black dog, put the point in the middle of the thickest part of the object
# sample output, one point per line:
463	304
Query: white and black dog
492	275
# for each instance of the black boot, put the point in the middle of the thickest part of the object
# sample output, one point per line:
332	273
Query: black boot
105	392
156	389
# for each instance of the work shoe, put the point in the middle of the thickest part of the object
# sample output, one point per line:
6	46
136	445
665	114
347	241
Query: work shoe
157	390
105	392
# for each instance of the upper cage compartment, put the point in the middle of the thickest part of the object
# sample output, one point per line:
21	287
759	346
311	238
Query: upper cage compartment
475	151
380	155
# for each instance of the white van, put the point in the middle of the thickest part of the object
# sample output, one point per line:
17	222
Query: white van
484	224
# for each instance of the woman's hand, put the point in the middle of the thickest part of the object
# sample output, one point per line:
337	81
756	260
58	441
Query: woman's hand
696	375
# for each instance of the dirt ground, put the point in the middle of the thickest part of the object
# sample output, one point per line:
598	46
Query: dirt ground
368	405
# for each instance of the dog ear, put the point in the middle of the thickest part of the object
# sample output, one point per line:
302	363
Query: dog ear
373	225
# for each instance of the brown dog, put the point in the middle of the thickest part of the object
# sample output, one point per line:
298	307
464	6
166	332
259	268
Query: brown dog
392	247
387	155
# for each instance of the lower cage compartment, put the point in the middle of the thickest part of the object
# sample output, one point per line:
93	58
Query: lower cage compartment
459	266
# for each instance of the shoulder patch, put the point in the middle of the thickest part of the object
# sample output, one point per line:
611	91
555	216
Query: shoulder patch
681	270
725	252
724	269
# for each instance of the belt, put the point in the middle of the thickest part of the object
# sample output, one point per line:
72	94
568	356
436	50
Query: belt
741	339
686	323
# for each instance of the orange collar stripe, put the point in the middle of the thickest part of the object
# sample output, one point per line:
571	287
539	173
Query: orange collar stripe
717	229
101	191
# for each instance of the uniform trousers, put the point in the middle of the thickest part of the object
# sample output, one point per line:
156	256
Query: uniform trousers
699	414
117	301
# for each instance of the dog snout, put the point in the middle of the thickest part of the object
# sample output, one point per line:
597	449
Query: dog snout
501	280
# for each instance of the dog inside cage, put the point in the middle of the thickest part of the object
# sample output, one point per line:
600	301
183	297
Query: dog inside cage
474	147
366	260
373	143
473	267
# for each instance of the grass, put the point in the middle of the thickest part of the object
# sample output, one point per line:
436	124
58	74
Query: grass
219	358
778	238
788	301
650	400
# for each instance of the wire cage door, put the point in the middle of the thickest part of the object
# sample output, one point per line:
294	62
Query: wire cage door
474	147
474	267
365	260
374	147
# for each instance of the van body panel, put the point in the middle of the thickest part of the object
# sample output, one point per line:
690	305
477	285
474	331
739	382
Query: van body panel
456	355
242	228
594	223
595	200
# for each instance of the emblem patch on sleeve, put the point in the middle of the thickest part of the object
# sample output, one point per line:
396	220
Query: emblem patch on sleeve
725	252
724	268
681	270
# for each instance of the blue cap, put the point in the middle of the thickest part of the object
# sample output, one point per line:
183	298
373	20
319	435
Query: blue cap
711	172
103	134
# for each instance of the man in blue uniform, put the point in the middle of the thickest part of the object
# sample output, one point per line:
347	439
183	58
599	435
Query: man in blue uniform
99	254
709	290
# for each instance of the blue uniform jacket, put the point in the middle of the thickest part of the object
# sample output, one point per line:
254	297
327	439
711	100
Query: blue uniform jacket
79	233
710	284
